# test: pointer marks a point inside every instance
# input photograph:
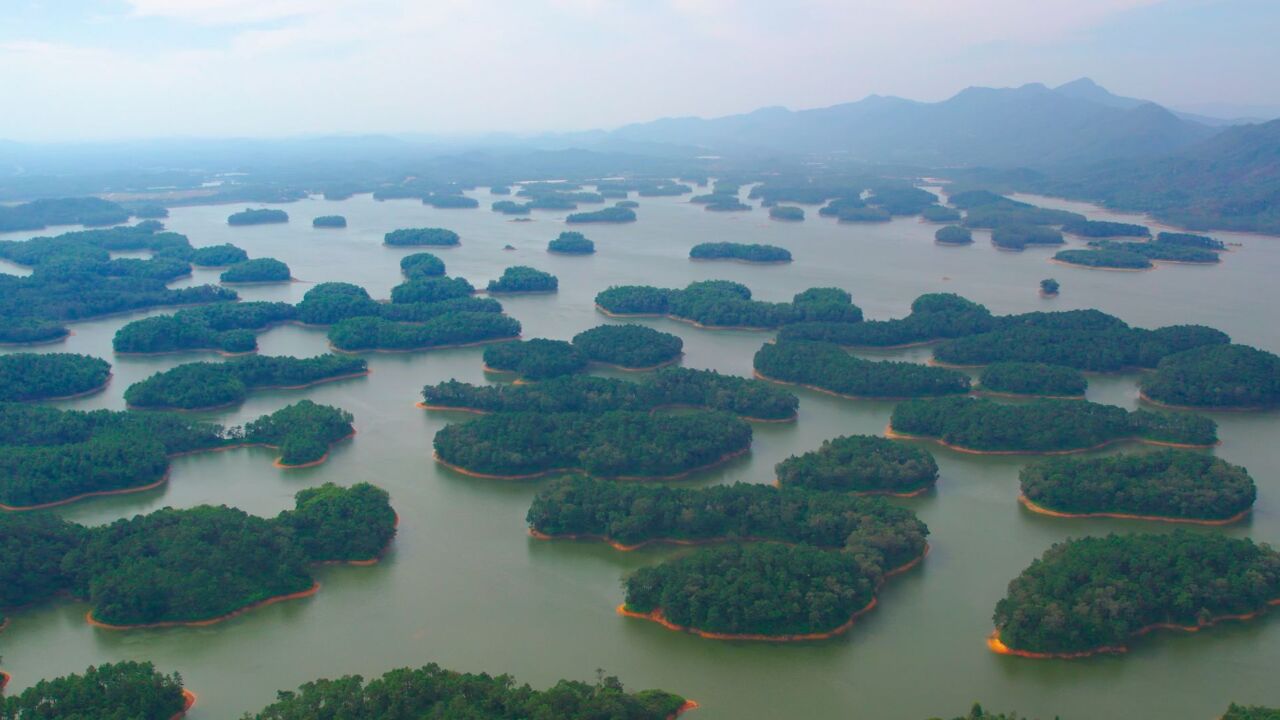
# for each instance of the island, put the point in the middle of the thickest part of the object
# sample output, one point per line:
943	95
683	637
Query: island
934	316
619	443
435	237
26	377
227	328
524	279
536	359
259	270
444	330
429	289
632	204
863	464
788	213
721	303
1049	288
982	426
1107	259
827	368
1039	379
224	255
1168	485
1019	237
1105	229
1076	339
1234	377
329	221
741	252
613	214
205	385
629	347
1190	240
126	689
257	217
724	203
571	243
445	201
1095	594
421	265
940	213
953	235
1251	712
901	198
666	387
511	207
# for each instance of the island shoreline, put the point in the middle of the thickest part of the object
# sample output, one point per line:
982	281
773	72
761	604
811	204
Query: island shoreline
1039	509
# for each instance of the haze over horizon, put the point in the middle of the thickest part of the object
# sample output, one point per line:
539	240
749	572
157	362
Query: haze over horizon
80	70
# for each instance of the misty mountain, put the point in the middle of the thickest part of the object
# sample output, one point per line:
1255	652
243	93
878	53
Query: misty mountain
1086	89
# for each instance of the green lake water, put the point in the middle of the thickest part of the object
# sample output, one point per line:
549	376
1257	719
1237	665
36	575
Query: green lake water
465	586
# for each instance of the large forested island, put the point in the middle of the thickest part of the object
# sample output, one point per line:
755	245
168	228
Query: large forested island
438	237
1044	426
224	327
1216	376
192	566
671	386
49	376
1163	485
536	359
864	464
261	216
826	367
258	270
127	689
934	316
203	385
51	457
1097	594
1018	378
630	347
611	444
524	279
721	303
740	251
445	330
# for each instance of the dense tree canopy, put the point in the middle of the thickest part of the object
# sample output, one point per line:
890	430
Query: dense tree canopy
257	270
933	317
1018	378
446	201
426	289
571	243
261	216
422	236
227	327
953	235
450	328
38	214
1104	229
739	251
511	207
1049	287
860	463
1227	376
613	214
44	376
328	302
422	264
628	346
224	255
199	385
329	221
720	303
1114	259
1057	339
786	212
827	367
125	690
536	359
1251	712
940	213
524	279
1019	237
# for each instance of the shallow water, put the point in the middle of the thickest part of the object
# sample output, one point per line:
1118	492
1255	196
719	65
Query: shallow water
466	587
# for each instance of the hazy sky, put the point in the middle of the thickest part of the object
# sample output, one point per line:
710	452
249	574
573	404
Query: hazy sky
77	69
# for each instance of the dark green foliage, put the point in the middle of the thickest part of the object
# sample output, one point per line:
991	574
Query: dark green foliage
422	236
933	316
765	589
726	203
939	213
863	214
1099	591
450	202
720	303
571	243
1158	251
1049	286
302	431
421	289
1168	483
628	346
969	199
902	200
1120	259
225	327
613	214
635	300
112	691
1103	229
330	302
860	463
32	546
257	217
1043	425
522	278
223	255
330	221
193	386
32	376
1228	376
786	212
424	311
1084	348
1018	237
451	328
421	265
953	235
669	386
257	270
1020	378
30	332
1251	712
433	692
610	444
842	205
1021	215
827	367
1189	240
536	359
510	207
331	523
739	251
39	214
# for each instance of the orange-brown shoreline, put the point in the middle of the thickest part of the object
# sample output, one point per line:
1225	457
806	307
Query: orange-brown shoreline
1193	408
883	493
695	323
565	471
1034	507
1095	267
889	432
686	707
425	348
477	411
72	396
887	398
978	390
315	588
207	408
188	702
627	368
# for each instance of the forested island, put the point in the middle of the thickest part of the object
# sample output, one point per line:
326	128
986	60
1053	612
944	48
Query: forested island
448	329
1040	379
721	303
224	327
511	207
666	387
427	289
258	270
940	214
262	216
196	566
38	214
1216	376
421	265
826	367
524	279
613	214
206	385
436	237
934	316
618	443
1020	237
26	377
536	359
629	347
953	235
1105	229
1163	485
1109	259
788	213
52	457
329	221
740	251
127	689
445	201
1190	240
865	464
571	243
1136	255
224	255
1044	426
1096	594
1049	287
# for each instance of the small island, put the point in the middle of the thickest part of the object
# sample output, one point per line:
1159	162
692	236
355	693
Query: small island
536	359
741	252
953	235
510	207
1032	379
863	464
1094	595
1232	377
1049	288
434	237
259	270
629	347
421	265
1020	237
205	385
613	214
1168	485
617	444
940	214
725	304
571	243
329	221
632	204
523	279
827	368
449	329
213	256
1105	229
227	328
789	213
258	217
126	689
26	377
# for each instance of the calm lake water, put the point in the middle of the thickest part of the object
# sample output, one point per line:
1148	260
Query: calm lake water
466	587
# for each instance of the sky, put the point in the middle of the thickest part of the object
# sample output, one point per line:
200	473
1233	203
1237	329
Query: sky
75	70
